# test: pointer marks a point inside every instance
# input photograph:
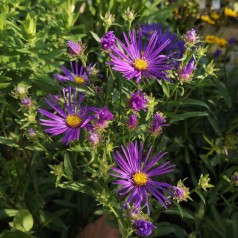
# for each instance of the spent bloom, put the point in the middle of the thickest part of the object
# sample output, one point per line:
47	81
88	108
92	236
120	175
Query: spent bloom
204	182
138	101
26	102
108	41
135	175
143	227
94	139
157	123
132	122
103	117
77	74
181	193
75	49
31	133
68	120
235	178
135	60
185	72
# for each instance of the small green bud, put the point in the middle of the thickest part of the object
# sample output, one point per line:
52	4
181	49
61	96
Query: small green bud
210	68
204	182
129	15
108	19
201	52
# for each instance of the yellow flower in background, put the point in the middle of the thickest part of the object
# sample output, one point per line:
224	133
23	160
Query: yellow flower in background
221	42
207	19
230	13
215	15
211	39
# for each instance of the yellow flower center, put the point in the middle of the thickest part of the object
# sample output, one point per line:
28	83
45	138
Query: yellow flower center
140	179
73	121
140	64
78	79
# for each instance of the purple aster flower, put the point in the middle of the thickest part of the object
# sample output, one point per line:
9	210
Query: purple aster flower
191	37
143	227
232	41
138	101
176	46
132	122
135	175
75	49
26	102
185	72
69	120
134	60
217	53
103	116
77	74
108	41
158	122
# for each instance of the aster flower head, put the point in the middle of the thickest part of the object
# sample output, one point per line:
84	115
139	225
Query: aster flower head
77	74
143	227
75	49
232	41
108	41
181	193
134	60
68	120
103	117
158	122
138	101
185	72
135	175
176	46
191	37
217	53
132	122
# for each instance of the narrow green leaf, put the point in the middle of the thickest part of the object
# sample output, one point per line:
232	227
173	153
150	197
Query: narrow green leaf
68	167
95	36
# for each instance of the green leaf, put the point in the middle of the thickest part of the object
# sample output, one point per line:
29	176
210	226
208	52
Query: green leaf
8	142
200	195
23	220
68	167
8	213
95	36
222	90
165	88
176	211
183	116
195	102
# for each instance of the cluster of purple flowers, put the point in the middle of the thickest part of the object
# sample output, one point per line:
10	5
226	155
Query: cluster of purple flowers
135	59
73	117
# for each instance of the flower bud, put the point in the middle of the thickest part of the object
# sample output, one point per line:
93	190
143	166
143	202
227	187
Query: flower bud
191	37
132	122
108	20
129	15
204	182
75	49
